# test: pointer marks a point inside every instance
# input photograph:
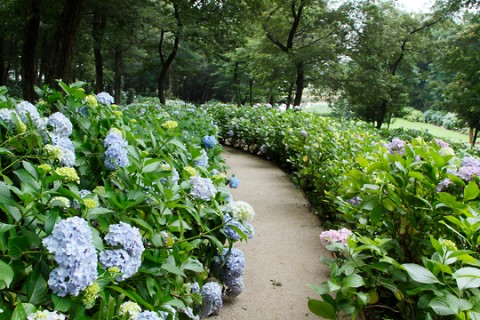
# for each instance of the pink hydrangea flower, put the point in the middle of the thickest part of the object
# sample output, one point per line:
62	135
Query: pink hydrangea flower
335	236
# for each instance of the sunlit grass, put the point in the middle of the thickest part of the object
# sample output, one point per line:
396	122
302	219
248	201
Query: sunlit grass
440	132
430	128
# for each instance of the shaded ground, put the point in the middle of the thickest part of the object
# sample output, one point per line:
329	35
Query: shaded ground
283	257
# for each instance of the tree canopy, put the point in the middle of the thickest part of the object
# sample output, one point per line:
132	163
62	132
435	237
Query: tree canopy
369	53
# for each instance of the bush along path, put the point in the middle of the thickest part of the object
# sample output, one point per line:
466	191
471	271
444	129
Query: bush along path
404	211
283	257
114	212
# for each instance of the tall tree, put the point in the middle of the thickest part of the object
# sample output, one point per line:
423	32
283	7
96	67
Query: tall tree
461	56
303	30
65	41
382	45
29	49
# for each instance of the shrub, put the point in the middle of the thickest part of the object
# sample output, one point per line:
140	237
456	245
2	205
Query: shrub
106	183
414	115
412	205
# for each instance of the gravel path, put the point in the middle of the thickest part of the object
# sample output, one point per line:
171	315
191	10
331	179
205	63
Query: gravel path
283	257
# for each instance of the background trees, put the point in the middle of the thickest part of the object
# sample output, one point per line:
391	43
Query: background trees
366	52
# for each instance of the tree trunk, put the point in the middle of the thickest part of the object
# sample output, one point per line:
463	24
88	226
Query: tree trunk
299	84
30	40
382	112
290	94
118	75
98	25
65	41
2	61
167	63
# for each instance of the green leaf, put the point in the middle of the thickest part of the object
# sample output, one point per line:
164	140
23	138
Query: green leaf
5	227
171	267
420	274
353	281
61	304
16	247
471	191
193	265
36	289
19	313
6	274
322	309
467	278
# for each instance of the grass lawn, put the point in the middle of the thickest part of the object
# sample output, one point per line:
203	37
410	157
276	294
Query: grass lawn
322	108
430	128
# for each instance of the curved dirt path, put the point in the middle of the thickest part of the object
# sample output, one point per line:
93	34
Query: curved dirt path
284	256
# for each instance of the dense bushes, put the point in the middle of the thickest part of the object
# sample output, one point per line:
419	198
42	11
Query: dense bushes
412	205
107	210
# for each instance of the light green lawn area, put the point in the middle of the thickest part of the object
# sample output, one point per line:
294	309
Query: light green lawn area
316	107
432	129
322	108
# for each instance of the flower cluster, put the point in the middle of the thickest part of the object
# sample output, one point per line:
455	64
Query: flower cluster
6	115
230	267
241	210
233	182
62	127
190	171
355	201
105	98
150	315
397	146
231	233
116	154
170	124
335	236
67	150
71	242
202	188
202	160
28	113
91	101
46	315
68	174
209	141
130	309
304	134
128	257
470	167
211	299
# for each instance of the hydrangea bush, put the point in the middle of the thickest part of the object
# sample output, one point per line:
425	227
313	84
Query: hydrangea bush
109	212
403	209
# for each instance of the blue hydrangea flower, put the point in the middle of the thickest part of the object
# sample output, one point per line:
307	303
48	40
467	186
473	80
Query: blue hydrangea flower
355	201
82	193
230	133
116	154
62	127
396	146
67	157
175	176
119	258
128	258
209	141
230	267
125	236
470	161
28	112
202	188
150	315
231	234
71	242
304	133
114	137
105	98
202	160
6	115
211	299
233	182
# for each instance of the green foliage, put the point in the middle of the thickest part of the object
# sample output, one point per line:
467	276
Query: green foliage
181	233
412	203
